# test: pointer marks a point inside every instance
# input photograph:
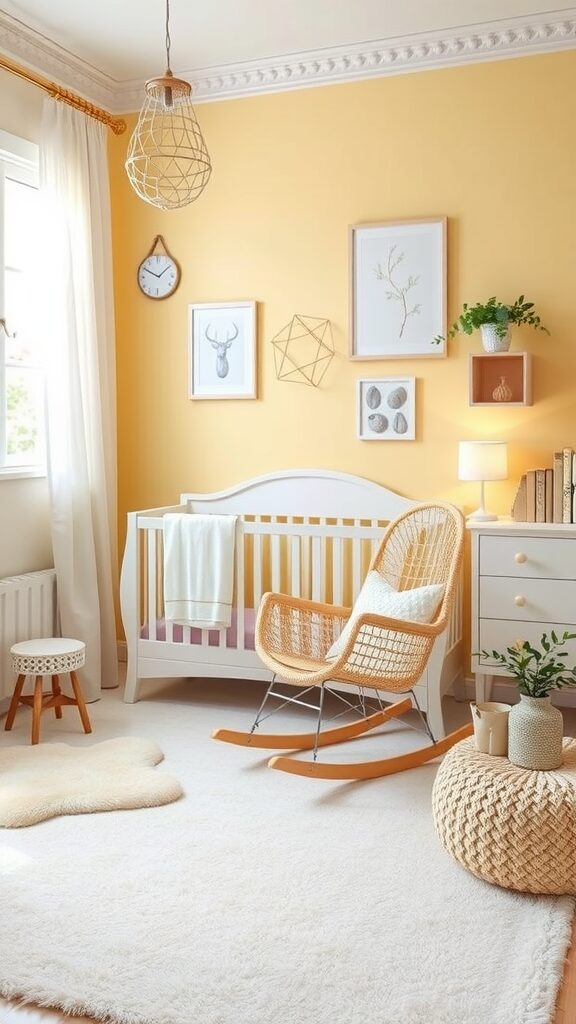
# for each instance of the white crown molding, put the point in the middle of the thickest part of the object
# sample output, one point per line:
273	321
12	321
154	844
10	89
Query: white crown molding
35	51
489	41
486	41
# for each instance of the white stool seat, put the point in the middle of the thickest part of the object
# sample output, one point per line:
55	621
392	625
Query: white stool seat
48	656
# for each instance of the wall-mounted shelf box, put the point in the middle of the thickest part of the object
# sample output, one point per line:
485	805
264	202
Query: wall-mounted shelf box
486	371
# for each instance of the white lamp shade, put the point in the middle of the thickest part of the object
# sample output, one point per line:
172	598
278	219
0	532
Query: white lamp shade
482	460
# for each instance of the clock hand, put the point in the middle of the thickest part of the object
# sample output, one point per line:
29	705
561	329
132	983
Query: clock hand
147	271
164	271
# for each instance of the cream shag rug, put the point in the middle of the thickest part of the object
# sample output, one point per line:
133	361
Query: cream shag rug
39	782
265	897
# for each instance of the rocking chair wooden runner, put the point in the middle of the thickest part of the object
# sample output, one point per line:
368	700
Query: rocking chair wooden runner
293	636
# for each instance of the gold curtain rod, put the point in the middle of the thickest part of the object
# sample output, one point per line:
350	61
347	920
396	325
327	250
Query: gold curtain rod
117	125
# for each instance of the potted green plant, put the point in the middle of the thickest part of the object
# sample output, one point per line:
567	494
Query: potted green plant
534	725
494	319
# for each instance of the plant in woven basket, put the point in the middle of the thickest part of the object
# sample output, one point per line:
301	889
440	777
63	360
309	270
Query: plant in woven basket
499	314
537	672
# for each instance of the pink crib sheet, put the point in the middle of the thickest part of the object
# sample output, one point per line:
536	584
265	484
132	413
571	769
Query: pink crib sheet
213	635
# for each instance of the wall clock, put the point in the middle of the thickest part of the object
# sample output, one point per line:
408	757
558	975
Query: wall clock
159	272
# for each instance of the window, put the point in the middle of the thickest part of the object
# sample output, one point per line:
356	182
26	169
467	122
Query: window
21	375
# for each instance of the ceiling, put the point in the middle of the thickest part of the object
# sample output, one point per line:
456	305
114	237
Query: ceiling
116	45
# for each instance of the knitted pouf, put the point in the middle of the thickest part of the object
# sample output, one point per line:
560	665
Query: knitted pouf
509	825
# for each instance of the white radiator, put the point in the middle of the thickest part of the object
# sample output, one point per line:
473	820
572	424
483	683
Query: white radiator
27	611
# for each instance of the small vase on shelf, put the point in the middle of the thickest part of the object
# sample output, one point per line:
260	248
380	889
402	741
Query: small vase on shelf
535	729
502	392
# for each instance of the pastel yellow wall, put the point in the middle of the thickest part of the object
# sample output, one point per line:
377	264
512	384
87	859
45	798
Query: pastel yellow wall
491	146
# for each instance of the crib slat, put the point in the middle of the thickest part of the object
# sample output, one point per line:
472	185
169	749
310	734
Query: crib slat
337	590
240	640
356	566
375	540
275	545
316	569
323	523
257	565
152	583
306	545
295	566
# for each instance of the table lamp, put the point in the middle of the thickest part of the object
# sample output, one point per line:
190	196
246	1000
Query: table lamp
482	460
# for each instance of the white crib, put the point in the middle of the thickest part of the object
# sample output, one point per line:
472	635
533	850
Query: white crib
309	533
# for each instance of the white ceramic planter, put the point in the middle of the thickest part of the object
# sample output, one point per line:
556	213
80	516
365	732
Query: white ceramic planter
535	730
490	340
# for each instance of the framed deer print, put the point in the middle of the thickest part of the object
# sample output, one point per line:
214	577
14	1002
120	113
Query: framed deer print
222	350
398	289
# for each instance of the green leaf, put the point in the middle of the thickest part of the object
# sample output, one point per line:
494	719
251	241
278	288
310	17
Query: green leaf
499	313
538	672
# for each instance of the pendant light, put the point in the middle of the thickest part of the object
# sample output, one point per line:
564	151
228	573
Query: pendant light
168	164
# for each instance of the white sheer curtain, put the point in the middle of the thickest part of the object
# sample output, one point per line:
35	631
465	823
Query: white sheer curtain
78	332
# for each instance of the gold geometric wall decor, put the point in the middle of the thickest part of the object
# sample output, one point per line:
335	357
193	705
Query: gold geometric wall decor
303	350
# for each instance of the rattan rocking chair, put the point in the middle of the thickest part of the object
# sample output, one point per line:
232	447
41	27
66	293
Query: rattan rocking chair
420	547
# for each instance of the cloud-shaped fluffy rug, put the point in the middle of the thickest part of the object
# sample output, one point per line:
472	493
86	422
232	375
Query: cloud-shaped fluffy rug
39	782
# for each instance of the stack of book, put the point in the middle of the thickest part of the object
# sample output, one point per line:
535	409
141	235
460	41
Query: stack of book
548	495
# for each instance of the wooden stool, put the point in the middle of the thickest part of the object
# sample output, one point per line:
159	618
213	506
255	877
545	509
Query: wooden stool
50	656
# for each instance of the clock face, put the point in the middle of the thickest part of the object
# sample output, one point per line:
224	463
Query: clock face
158	276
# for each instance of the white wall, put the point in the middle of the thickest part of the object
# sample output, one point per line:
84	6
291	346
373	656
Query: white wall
20	107
24	507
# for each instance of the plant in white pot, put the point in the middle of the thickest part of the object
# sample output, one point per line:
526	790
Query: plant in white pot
495	319
535	726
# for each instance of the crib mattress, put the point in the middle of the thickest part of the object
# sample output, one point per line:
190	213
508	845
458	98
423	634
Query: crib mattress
181	634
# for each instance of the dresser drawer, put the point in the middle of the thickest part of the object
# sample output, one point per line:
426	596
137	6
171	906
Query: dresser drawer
498	635
540	557
528	600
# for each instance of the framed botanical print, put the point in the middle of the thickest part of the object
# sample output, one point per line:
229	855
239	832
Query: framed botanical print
398	289
222	350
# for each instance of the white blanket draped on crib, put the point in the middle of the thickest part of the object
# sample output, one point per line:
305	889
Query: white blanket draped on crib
199	569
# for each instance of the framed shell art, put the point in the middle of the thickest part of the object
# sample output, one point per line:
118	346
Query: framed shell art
386	409
398	289
222	350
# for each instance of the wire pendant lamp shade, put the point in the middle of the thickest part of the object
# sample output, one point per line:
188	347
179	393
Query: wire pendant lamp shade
168	164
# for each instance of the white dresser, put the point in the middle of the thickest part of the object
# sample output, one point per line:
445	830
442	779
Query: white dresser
523	585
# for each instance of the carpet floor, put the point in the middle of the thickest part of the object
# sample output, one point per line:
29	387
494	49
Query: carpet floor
262	896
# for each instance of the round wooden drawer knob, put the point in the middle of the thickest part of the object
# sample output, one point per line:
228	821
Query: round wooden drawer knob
520	558
519	601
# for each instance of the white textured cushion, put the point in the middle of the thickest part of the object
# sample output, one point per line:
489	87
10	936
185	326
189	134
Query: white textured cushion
379	598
